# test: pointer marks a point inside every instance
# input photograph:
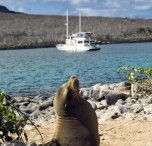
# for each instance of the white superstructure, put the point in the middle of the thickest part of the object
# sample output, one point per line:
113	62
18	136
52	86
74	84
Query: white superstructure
82	41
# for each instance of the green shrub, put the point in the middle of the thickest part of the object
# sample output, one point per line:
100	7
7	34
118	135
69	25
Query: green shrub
140	76
9	122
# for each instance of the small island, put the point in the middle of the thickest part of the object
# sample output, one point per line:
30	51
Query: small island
24	31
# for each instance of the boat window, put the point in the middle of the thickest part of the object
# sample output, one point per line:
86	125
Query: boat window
80	42
86	42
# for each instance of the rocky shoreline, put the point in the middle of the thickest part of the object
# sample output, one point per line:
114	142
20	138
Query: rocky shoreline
53	44
111	101
28	46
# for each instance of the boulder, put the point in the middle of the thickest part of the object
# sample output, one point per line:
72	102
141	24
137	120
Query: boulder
124	90
85	93
18	143
124	109
96	91
148	109
104	103
112	97
35	114
14	143
40	98
45	105
120	102
108	116
136	108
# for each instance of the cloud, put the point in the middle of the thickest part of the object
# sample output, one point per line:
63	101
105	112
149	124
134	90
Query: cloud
139	0
143	1
111	4
48	1
97	12
20	9
146	7
82	2
107	8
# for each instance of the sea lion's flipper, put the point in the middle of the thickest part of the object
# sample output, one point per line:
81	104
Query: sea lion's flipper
53	142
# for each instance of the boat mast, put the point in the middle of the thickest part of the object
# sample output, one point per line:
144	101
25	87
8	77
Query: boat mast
67	24
80	21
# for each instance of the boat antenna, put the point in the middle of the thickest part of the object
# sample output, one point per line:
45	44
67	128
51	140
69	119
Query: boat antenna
67	24
80	21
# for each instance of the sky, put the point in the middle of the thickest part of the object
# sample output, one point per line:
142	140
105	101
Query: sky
106	8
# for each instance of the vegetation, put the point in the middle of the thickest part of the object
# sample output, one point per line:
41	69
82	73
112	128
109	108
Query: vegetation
28	29
12	121
140	76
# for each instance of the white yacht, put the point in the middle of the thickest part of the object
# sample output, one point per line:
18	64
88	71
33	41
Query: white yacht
81	41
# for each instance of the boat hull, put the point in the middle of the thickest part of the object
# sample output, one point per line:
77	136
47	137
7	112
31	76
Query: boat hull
64	47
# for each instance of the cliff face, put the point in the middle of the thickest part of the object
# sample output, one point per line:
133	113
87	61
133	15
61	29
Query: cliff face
17	29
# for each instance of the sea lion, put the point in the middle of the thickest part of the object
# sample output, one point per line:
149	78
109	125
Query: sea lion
77	123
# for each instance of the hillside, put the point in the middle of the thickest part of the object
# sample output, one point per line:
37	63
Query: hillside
3	9
28	31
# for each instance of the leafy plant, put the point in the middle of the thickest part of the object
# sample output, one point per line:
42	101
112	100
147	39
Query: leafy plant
140	76
13	121
10	123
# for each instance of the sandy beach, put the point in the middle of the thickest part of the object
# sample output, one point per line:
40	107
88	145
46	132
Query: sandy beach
119	132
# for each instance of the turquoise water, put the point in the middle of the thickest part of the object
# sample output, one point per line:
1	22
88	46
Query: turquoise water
42	71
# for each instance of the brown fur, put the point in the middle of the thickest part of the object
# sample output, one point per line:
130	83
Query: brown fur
77	122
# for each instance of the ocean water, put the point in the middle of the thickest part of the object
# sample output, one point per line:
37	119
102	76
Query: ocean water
42	71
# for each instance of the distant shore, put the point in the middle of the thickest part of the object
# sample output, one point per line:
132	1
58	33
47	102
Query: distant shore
29	46
53	44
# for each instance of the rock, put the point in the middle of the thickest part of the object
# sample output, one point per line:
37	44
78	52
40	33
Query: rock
128	115
97	90
40	98
120	102
100	106
99	113
33	106
21	99
36	114
146	101
128	104
112	97
124	90
121	84
18	143
85	92
6	102
28	111
24	103
14	143
149	98
104	103
123	109
148	109
108	116
93	104
136	108
45	105
31	144
131	100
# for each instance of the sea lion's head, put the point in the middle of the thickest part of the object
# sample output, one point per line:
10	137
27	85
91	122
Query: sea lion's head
67	96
